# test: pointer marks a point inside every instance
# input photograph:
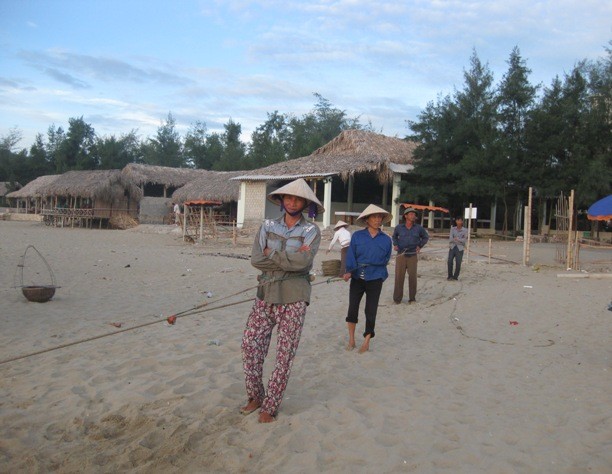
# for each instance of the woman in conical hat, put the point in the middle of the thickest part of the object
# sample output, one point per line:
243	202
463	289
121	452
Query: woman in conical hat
366	267
298	188
343	236
284	251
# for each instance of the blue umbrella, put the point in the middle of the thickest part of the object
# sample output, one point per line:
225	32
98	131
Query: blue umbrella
601	210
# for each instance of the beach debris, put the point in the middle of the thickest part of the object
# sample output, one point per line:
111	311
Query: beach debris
527	286
513	323
127	266
117	325
171	320
209	294
610	307
214	342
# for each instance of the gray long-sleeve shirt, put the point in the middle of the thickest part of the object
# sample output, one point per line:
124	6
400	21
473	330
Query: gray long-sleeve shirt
458	238
285	271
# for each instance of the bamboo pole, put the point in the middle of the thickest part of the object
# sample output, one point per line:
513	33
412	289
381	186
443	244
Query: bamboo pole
570	215
201	224
527	231
467	250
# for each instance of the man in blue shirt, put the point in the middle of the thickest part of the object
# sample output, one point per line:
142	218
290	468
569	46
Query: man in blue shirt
408	240
366	266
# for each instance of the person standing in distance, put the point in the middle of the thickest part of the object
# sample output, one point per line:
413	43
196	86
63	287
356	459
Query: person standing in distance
343	236
284	250
408	240
456	242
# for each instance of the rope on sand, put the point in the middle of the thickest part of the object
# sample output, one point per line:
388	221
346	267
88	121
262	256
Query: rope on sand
201	308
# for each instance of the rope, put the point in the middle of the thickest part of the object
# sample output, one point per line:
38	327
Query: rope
201	308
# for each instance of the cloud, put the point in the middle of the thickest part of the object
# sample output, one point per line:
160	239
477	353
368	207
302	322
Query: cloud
65	78
62	65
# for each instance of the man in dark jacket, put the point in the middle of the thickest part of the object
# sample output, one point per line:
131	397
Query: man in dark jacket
408	240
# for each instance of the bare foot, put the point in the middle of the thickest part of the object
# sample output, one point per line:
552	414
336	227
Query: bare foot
350	346
365	347
266	417
250	407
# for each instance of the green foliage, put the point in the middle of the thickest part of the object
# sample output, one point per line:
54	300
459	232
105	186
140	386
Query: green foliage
112	153
75	150
494	143
166	149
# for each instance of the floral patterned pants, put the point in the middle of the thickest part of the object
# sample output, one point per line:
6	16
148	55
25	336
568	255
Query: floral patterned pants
256	341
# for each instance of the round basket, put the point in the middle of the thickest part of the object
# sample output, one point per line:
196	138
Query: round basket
33	291
38	294
330	267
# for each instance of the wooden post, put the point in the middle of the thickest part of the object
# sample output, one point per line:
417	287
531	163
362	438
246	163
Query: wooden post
570	214
186	211
527	231
234	232
467	249
201	223
489	251
351	184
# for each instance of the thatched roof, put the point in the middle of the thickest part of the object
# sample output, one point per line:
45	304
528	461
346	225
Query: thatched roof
165	175
96	184
210	185
32	189
353	151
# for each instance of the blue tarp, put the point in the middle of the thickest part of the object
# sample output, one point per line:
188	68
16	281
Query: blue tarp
601	210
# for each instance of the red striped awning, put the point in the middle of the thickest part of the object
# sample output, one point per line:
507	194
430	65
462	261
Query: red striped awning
421	207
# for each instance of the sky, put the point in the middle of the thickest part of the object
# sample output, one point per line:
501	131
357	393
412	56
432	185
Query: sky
124	65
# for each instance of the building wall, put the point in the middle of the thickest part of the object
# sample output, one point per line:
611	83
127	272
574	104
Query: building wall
155	210
255	202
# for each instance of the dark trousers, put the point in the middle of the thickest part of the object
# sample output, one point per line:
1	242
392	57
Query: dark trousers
456	255
372	291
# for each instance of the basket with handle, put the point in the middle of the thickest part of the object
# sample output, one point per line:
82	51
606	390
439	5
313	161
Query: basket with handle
36	293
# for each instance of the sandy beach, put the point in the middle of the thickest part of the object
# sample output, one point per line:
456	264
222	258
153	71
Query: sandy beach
507	370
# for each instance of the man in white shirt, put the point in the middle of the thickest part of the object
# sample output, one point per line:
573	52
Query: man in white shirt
343	237
177	213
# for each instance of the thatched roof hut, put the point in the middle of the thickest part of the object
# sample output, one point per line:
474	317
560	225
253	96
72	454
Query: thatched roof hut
353	151
32	189
107	185
210	185
163	175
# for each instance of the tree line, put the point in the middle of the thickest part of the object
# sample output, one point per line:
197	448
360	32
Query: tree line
280	137
492	142
486	142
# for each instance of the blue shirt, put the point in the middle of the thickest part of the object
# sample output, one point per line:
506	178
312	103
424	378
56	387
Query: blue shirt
407	240
367	257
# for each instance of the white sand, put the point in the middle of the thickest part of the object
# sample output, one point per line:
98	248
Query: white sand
448	386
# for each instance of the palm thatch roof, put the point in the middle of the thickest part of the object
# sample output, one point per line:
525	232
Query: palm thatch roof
210	186
164	175
97	184
353	151
33	188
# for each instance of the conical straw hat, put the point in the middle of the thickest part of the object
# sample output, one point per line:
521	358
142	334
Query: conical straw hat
298	188
340	224
372	209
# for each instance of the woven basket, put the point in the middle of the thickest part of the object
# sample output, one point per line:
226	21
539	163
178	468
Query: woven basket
330	267
35	292
38	294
